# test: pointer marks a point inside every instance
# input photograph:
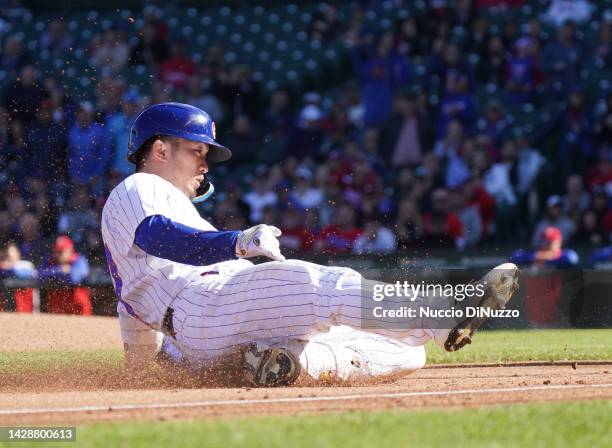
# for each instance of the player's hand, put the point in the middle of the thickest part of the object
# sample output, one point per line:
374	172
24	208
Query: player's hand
259	240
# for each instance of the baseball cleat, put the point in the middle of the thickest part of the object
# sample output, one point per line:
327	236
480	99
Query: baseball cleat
272	367
501	282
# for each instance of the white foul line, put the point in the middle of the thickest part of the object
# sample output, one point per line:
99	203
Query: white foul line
128	407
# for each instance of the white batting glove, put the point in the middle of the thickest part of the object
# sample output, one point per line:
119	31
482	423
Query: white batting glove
259	240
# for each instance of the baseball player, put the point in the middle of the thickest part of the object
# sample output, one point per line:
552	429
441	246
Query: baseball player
177	277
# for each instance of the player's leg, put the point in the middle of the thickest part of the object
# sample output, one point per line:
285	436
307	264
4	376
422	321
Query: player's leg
501	284
346	353
288	300
342	353
272	301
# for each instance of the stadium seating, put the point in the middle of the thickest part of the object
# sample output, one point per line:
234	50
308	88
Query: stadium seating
272	39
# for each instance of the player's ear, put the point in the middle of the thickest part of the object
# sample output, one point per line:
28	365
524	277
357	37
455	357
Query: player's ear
159	150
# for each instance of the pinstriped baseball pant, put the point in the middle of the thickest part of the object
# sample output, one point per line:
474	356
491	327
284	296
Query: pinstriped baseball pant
277	302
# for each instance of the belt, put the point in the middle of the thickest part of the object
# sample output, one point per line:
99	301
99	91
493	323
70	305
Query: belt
167	324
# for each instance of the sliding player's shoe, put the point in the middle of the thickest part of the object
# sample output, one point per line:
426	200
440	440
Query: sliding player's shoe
500	283
272	367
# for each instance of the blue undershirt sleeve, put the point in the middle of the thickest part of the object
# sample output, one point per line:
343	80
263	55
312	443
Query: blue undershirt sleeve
164	238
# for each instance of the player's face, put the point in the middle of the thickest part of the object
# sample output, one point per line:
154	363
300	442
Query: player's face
188	165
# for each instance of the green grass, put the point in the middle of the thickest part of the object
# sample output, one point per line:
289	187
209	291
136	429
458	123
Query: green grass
535	425
44	360
529	345
488	346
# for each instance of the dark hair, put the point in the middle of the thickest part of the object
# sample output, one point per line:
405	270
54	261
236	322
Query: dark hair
141	153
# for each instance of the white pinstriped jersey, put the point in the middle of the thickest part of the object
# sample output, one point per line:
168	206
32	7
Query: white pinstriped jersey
145	282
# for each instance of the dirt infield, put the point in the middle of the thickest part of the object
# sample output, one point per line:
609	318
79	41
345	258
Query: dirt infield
27	332
99	393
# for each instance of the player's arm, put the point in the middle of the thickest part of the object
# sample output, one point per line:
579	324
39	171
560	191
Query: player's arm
164	238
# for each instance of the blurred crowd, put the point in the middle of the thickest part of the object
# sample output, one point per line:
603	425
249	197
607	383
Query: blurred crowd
388	161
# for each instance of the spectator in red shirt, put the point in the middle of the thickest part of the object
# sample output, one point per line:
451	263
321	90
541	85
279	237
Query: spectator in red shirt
363	184
442	227
178	68
63	273
600	172
339	236
551	246
354	175
550	251
296	237
543	293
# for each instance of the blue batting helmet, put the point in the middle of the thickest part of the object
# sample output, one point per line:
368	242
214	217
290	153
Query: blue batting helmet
176	120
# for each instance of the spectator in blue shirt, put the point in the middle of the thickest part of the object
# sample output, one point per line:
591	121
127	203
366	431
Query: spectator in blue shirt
457	104
550	252
562	61
495	123
381	72
576	147
119	129
45	146
522	72
89	151
449	65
